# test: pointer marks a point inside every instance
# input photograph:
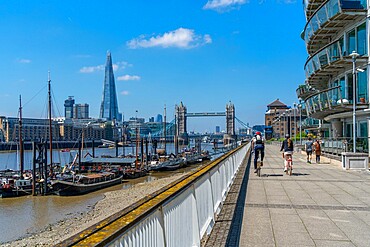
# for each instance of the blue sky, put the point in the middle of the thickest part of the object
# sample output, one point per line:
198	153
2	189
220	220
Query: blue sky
204	53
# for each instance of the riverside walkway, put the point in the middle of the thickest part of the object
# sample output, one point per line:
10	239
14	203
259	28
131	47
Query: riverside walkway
319	205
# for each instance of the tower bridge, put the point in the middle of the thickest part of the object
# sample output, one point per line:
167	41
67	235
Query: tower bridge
182	115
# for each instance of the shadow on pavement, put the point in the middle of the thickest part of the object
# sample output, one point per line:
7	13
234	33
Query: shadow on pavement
233	238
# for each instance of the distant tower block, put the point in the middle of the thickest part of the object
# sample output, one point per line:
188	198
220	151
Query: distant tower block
109	104
68	107
230	124
181	129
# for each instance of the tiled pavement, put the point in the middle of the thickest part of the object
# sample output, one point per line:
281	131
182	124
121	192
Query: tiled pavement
319	205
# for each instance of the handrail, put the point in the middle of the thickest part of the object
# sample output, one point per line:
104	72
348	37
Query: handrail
106	231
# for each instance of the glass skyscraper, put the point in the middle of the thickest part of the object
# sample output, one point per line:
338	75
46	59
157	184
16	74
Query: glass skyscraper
109	104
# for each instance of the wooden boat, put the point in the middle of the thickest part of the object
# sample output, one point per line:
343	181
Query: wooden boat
14	184
168	165
83	184
130	173
14	187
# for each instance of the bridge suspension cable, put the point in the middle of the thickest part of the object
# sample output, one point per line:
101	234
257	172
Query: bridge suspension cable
158	133
242	123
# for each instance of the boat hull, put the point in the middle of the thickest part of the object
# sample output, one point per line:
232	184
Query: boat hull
64	188
169	165
5	193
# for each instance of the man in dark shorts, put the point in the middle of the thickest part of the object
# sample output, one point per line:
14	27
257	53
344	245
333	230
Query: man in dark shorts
308	147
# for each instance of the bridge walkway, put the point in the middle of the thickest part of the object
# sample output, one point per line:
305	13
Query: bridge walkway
319	205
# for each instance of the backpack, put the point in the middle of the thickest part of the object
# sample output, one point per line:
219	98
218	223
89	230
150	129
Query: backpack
259	139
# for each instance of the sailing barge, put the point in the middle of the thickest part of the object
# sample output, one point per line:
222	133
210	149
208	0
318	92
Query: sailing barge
83	184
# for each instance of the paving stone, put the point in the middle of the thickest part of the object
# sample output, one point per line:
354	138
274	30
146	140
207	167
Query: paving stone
321	205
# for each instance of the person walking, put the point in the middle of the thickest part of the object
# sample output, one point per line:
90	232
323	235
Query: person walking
308	148
288	148
317	148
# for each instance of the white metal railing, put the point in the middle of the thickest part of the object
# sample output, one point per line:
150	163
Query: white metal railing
186	217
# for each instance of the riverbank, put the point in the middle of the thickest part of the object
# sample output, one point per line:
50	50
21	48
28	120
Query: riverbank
113	202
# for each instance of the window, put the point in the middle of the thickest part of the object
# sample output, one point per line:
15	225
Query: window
341	45
361	39
351	41
361	91
342	83
363	129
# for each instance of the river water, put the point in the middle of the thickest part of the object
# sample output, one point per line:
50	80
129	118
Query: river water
25	215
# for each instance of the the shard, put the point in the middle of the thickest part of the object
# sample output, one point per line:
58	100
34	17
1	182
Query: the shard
109	104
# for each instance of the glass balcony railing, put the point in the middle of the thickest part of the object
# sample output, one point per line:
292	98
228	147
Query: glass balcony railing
310	123
323	57
327	11
303	91
331	101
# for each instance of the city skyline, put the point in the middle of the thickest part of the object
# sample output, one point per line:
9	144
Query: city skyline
204	54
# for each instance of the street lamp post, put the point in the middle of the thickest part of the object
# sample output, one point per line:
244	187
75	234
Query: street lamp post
290	123
284	124
354	55
294	121
300	123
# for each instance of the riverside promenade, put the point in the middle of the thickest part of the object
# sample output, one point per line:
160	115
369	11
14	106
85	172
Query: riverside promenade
319	205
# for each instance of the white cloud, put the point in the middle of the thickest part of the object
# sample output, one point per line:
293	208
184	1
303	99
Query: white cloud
290	1
23	60
101	67
128	78
223	5
124	93
92	69
179	38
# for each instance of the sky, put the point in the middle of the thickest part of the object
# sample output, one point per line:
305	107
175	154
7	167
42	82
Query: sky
203	53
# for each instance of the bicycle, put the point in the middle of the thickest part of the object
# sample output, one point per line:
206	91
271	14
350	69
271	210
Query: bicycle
289	168
259	165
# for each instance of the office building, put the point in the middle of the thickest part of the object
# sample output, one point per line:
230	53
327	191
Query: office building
159	118
109	104
68	107
81	111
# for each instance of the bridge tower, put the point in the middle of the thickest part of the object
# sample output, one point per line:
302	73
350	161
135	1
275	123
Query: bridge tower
181	128
230	137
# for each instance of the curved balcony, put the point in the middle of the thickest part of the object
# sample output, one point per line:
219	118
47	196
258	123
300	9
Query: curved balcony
328	61
303	91
329	18
330	101
310	6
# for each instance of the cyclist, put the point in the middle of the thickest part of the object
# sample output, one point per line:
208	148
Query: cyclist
258	145
288	148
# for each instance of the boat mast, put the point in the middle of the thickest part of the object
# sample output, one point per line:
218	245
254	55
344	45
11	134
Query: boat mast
50	128
137	142
164	129
137	146
21	151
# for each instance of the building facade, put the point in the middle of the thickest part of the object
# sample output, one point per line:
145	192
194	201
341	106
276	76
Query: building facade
336	35
81	111
283	119
33	129
109	104
68	107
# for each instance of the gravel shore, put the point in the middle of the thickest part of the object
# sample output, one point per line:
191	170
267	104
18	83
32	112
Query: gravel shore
113	202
